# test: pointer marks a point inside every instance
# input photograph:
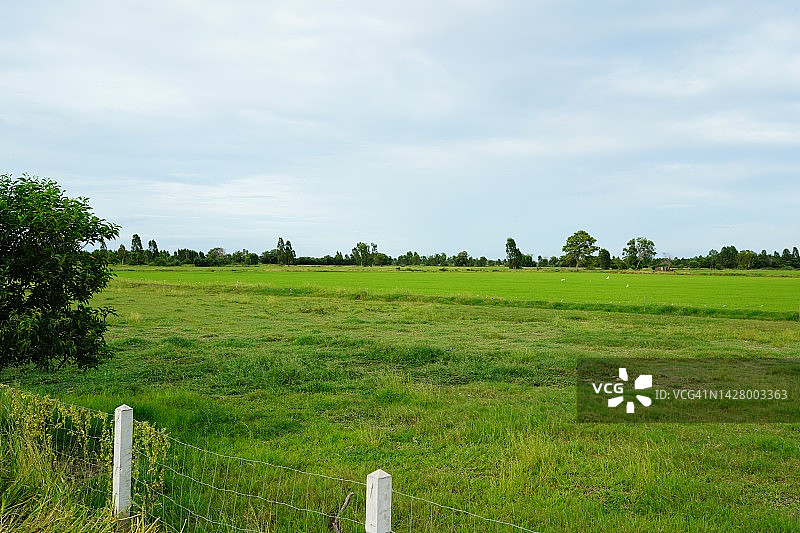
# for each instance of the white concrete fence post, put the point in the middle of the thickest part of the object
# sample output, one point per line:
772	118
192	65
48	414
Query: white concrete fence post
123	444
379	502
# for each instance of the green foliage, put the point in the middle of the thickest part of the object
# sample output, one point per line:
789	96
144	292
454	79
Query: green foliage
513	254
604	259
462	259
285	254
639	251
61	429
579	246
361	254
729	255
746	259
56	461
47	278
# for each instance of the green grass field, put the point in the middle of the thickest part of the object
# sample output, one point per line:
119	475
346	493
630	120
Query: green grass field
466	404
777	293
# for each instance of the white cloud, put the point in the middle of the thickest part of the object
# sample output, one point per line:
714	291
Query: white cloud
737	128
332	121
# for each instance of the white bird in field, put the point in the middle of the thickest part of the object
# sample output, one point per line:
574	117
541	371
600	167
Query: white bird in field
608	277
627	285
563	279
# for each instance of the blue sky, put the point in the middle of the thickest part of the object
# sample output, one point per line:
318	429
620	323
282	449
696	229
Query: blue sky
433	126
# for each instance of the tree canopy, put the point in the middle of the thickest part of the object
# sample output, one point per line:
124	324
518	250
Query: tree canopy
513	254
47	277
639	251
579	246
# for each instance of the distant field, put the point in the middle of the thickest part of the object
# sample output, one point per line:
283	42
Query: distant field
713	292
470	405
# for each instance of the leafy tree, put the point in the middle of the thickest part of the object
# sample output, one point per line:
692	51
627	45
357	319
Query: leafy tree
281	249
136	250
439	259
47	277
728	256
361	254
284	252
289	254
604	259
185	255
462	259
763	260
381	259
639	250
214	257
122	253
579	245
136	243
513	254
618	264
786	257
269	257
712	258
409	258
745	259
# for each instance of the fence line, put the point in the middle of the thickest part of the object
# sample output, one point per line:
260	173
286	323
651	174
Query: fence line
210	491
75	441
478	522
236	495
256	461
185	488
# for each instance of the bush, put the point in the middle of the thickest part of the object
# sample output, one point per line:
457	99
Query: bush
47	277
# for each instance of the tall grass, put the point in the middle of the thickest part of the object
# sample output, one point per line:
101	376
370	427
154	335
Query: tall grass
37	495
55	466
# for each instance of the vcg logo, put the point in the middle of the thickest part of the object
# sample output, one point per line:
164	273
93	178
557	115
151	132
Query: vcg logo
644	381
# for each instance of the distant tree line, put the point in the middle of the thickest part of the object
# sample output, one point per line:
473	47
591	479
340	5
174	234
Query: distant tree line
362	254
640	252
580	250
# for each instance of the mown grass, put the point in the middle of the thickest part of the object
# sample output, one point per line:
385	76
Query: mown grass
706	292
467	404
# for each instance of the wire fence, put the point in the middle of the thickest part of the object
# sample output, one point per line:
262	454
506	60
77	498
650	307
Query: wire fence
74	443
185	488
206	491
411	513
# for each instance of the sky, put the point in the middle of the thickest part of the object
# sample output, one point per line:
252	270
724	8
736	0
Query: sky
435	126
